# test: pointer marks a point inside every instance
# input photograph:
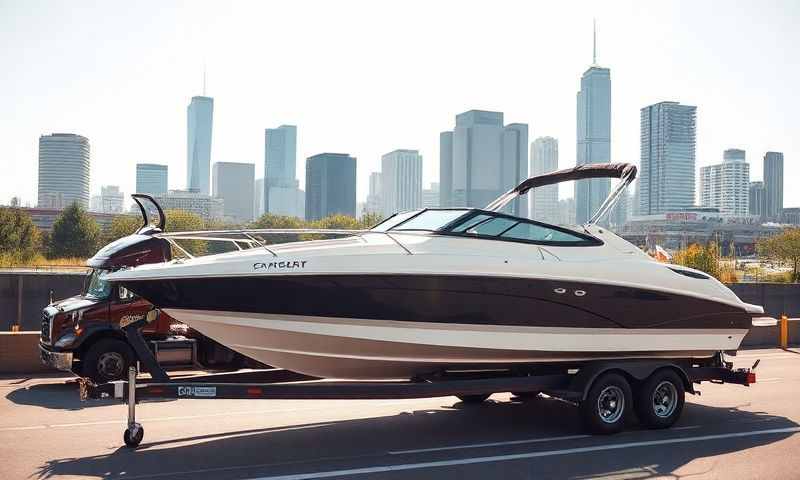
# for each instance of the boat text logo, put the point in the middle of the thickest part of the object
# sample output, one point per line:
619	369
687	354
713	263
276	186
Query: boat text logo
286	264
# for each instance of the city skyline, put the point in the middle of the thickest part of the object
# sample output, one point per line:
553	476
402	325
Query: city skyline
155	103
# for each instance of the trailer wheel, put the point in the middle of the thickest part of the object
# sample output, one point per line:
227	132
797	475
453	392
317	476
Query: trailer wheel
607	404
474	399
107	360
133	436
660	399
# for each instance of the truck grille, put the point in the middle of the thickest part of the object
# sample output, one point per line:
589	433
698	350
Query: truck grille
45	335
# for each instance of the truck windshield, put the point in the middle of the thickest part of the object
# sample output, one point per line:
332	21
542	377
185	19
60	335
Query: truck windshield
97	287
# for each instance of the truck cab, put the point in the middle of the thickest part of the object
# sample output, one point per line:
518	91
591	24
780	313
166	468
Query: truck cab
82	333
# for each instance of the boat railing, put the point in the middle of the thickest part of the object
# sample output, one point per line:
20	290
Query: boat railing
244	239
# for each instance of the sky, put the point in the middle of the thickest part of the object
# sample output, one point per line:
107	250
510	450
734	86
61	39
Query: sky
368	77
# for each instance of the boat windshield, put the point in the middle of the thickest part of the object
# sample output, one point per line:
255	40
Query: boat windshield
430	220
394	220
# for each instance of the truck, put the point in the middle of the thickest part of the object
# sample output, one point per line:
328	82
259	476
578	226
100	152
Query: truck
82	334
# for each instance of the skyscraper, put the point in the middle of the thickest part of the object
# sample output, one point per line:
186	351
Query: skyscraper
258	197
485	160
233	183
200	115
430	196
374	202
401	181
330	185
773	184
544	159
280	160
64	165
151	178
757	200
726	185
667	167
446	169
593	136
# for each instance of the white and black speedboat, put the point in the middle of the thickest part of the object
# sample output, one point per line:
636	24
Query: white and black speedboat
438	289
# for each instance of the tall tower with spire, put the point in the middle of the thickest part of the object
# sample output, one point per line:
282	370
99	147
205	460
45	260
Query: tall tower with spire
593	134
200	116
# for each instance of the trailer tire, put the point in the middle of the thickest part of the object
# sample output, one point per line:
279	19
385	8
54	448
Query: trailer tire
474	399
660	399
107	360
607	404
133	437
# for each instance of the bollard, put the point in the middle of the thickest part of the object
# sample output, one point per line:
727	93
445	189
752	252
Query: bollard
784	331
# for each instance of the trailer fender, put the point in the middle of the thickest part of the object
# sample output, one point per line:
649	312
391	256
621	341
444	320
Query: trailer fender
635	371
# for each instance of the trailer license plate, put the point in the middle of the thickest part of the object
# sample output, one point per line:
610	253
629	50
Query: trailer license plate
197	391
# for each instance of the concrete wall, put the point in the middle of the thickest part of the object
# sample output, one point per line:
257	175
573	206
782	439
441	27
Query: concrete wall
776	298
19	353
35	288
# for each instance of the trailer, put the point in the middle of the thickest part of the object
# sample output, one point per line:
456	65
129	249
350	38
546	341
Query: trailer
606	392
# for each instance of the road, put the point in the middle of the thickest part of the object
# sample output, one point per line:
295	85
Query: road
729	432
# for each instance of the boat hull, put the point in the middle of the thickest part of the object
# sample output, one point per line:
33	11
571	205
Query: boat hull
400	326
359	348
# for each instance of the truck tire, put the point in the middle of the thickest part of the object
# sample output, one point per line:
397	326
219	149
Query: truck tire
659	400
107	360
607	404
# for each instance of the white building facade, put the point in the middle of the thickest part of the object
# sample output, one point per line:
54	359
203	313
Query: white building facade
544	200
206	206
401	181
64	170
726	185
667	168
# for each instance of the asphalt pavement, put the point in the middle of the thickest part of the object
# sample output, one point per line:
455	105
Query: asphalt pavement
728	432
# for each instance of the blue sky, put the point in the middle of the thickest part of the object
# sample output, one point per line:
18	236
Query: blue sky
369	77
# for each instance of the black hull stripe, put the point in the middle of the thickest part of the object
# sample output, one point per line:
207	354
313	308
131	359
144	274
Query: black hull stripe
445	299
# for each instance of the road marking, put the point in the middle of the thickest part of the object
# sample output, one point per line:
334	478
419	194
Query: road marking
521	456
494	444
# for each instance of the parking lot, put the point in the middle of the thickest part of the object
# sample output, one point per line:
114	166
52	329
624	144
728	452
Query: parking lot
728	432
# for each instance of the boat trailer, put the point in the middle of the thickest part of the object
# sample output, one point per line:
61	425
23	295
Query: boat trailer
577	384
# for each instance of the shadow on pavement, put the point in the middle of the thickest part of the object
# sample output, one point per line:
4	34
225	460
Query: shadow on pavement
364	442
57	396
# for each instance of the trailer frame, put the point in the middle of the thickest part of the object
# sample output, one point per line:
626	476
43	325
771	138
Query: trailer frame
570	382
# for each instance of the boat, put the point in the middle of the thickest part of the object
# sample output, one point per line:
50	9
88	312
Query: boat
447	289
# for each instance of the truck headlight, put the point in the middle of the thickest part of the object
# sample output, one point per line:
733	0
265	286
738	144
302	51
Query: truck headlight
66	340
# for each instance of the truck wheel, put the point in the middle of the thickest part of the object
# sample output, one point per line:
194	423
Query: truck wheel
107	360
659	400
474	399
607	404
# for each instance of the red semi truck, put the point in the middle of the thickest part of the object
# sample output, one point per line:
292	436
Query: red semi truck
82	334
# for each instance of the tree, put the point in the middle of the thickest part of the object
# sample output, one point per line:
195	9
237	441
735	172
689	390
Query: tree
338	222
783	249
369	220
122	226
271	221
183	221
75	234
19	237
703	258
